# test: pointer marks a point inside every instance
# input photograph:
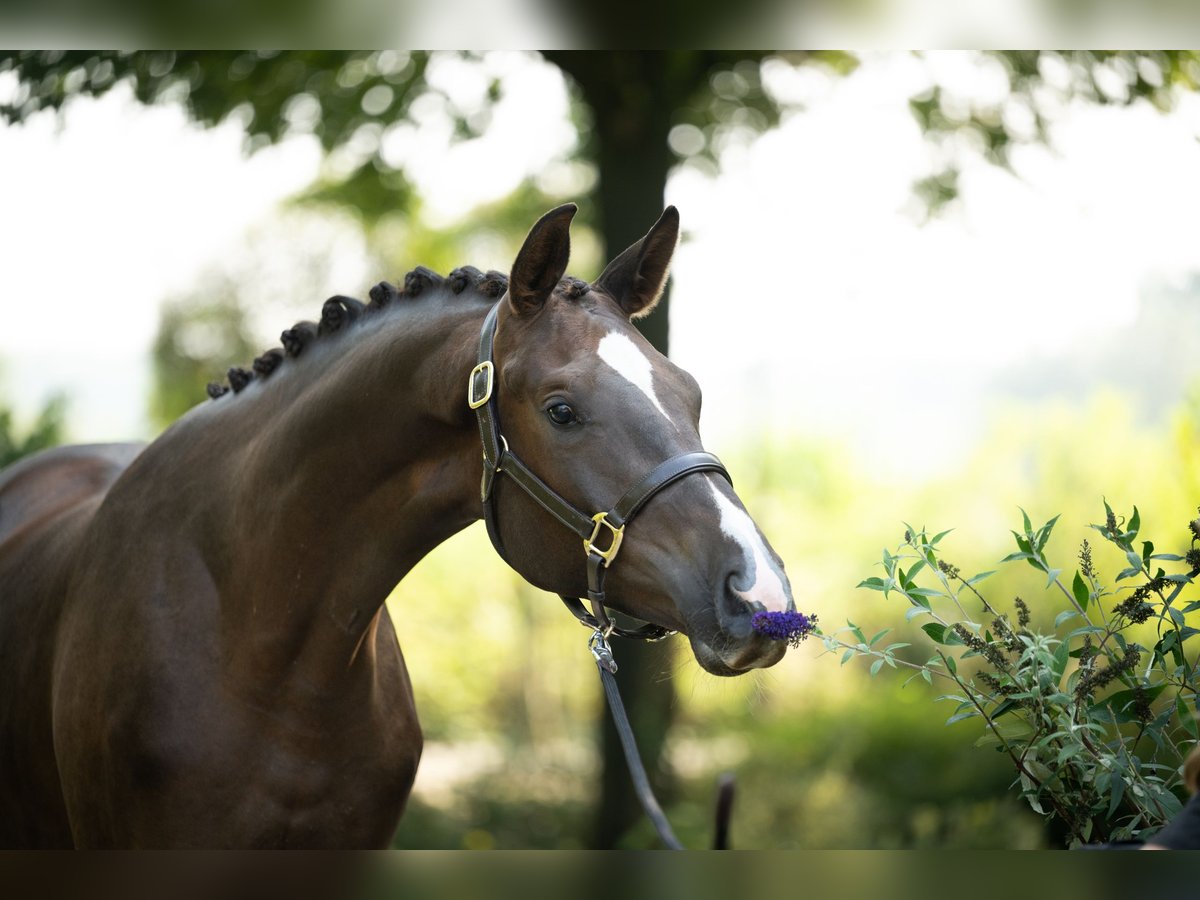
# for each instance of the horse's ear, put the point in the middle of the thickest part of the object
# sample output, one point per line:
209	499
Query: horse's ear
636	278
542	261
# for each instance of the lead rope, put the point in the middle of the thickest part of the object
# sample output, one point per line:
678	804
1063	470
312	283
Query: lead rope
607	666
792	627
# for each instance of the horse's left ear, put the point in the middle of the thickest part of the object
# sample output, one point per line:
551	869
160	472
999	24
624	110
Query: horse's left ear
636	278
542	260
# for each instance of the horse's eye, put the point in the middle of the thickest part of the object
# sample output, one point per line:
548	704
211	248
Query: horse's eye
561	414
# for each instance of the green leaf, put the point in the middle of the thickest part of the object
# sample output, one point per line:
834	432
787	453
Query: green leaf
1065	616
1061	655
1013	557
1028	524
1067	752
959	717
980	577
1186	718
1134	560
875	667
1081	591
871	642
1135	524
1117	784
1170	644
917	567
1010	729
1052	575
856	631
937	537
918	600
1147	553
913	611
1044	534
1006	706
951	665
847	656
1120	703
874	584
1168	557
936	632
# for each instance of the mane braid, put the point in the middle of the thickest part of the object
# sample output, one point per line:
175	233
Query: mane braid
382	296
299	336
419	279
339	312
239	378
268	362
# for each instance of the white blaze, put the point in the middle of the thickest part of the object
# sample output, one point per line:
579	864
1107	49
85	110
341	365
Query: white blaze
627	360
767	588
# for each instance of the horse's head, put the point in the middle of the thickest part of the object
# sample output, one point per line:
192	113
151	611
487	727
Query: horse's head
591	407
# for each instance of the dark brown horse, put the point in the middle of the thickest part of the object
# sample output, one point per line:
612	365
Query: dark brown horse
194	647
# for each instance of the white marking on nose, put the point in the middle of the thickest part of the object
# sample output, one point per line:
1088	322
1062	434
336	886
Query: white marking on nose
737	525
627	360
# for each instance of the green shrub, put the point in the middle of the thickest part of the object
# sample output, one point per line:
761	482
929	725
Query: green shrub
1096	710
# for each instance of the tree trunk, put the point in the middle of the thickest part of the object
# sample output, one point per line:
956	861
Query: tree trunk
632	100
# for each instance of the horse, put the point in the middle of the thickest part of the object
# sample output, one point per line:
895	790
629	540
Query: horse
194	645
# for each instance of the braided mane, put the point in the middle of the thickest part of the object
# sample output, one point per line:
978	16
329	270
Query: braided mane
338	313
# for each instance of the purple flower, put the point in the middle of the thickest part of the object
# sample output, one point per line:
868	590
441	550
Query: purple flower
790	626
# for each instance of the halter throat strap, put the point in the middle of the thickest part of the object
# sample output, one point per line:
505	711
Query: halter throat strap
602	533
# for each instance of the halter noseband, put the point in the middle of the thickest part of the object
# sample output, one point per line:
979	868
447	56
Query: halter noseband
601	533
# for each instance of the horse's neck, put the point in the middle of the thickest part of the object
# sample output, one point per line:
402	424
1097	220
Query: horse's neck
347	471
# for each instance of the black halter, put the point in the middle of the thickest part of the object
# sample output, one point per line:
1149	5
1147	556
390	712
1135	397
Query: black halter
602	528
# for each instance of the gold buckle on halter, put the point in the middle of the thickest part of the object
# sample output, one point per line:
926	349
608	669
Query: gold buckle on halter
487	368
618	534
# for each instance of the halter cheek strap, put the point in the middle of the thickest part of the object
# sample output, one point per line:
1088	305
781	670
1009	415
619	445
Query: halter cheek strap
602	533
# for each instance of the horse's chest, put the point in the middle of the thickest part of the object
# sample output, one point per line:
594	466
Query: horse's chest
206	770
313	783
341	797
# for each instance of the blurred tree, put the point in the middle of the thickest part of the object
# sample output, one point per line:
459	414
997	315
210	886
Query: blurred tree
47	431
628	106
199	337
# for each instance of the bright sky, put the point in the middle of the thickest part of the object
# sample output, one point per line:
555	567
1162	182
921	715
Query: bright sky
804	290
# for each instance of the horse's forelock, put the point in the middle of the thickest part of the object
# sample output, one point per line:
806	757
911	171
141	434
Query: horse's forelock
573	288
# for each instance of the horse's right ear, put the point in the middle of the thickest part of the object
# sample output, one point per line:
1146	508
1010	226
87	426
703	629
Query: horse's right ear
542	261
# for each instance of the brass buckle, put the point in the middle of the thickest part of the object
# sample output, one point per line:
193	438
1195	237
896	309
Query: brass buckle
618	534
484	367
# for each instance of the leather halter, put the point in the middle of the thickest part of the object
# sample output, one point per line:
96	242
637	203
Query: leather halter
607	528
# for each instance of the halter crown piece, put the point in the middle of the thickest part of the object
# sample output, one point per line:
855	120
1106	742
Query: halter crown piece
601	533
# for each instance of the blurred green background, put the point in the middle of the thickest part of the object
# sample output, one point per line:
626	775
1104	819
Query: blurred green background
835	434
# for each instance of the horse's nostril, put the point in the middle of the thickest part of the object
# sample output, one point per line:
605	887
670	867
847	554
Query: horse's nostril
734	608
